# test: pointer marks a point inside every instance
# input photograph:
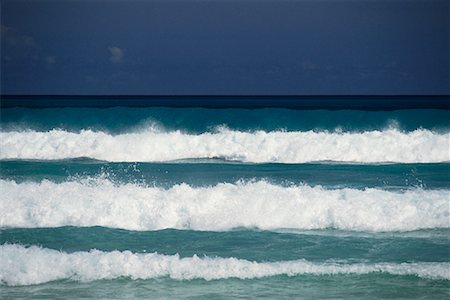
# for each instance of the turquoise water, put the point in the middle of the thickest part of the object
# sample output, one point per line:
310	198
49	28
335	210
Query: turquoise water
197	120
254	245
277	287
92	207
387	176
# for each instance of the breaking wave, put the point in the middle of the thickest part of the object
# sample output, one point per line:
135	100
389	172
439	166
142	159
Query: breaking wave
262	205
390	145
34	265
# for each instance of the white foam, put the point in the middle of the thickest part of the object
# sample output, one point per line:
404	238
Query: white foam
34	265
221	207
389	145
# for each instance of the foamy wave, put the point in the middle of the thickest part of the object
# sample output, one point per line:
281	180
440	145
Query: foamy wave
221	207
285	147
34	265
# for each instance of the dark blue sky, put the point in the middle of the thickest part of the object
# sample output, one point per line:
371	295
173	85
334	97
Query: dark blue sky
225	47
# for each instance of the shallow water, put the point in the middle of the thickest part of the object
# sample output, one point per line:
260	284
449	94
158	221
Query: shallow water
167	203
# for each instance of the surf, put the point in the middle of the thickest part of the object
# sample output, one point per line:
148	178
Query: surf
224	206
21	265
420	146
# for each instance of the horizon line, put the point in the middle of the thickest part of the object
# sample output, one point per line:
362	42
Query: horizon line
301	102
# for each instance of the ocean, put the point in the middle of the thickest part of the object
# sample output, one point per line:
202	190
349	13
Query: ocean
224	203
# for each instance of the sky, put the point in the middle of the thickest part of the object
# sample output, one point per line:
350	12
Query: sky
194	47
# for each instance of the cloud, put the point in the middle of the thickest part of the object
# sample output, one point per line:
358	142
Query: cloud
116	54
17	46
50	60
15	39
4	29
308	65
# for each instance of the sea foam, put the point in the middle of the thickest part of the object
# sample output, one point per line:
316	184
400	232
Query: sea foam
221	207
34	265
390	145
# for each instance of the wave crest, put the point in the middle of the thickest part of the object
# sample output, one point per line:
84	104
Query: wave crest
34	265
221	207
389	145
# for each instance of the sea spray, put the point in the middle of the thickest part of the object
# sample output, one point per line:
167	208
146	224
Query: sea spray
390	145
220	207
33	265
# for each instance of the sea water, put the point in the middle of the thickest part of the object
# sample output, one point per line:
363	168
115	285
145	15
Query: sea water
224	203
